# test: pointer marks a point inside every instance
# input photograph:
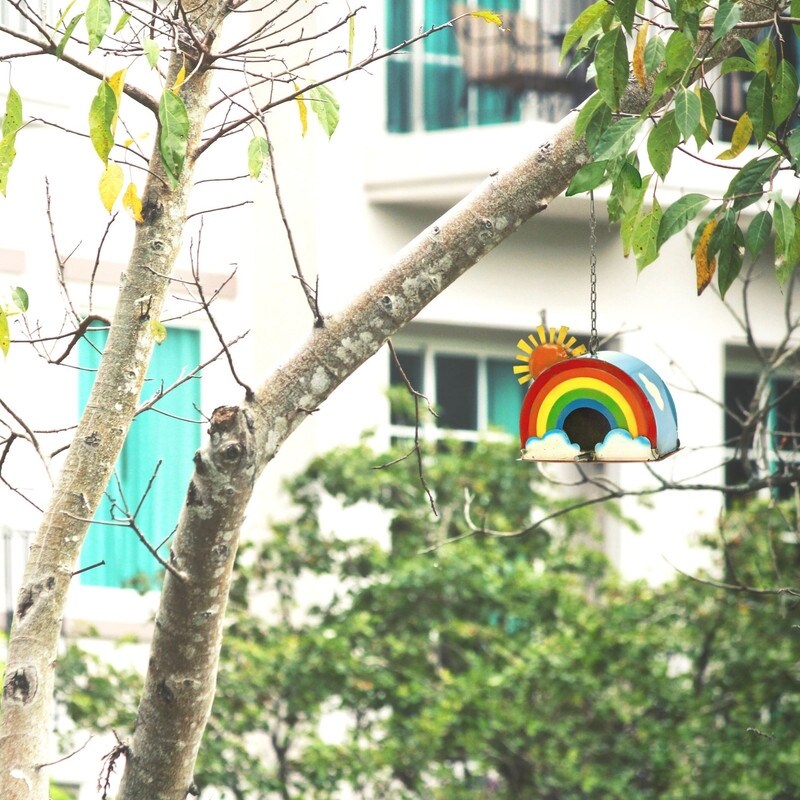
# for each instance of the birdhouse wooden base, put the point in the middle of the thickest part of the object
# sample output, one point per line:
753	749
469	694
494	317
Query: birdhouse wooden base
606	407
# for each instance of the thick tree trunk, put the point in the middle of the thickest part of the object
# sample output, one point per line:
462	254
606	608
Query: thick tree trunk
181	678
33	644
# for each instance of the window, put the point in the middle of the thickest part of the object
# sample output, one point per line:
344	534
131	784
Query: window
518	74
159	434
774	447
13	19
471	393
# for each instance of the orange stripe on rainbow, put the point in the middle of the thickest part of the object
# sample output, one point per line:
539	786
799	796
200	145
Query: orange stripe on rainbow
608	385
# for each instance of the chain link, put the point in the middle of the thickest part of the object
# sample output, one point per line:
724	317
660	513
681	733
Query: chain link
592	275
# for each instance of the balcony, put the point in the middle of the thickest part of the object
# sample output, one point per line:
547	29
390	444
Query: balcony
523	57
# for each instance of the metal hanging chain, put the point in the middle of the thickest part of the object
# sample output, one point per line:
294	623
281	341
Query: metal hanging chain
592	275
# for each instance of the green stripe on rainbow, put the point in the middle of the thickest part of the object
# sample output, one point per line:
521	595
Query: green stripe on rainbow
587	383
582	393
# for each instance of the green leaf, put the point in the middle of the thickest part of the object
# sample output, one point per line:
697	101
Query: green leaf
729	260
102	114
624	187
324	105
98	18
785	266
586	19
750	48
351	38
616	139
20	298
793	146
746	187
7	154
708	111
794	11
68	34
679	214
588	177
654	54
611	61
758	233
661	143
257	155
173	134
645	238
597	126
12	121
678	53
736	64
5	338
766	57
631	203
122	22
727	17
63	15
687	111
588	110
759	106
151	51
783	219
784	92
626	11
723	233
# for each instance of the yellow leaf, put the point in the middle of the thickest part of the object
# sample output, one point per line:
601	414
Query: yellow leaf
637	61
740	138
157	331
705	268
180	77
488	16
132	202
303	111
116	82
110	185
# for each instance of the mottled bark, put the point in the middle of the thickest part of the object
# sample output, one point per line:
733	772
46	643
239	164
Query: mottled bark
182	673
32	650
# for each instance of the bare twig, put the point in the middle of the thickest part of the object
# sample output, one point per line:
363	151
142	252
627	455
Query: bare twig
417	448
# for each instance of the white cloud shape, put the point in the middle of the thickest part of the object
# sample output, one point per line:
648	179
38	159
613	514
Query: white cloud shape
620	446
553	446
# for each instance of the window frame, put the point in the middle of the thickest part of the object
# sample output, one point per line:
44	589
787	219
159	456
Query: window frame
418	57
429	350
765	455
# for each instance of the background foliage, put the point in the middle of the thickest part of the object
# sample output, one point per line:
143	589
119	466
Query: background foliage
491	667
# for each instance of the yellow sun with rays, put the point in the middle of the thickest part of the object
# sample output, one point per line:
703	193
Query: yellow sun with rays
542	349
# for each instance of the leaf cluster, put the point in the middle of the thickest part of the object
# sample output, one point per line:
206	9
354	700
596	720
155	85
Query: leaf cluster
508	667
682	113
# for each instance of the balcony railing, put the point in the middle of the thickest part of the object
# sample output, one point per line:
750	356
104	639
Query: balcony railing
523	57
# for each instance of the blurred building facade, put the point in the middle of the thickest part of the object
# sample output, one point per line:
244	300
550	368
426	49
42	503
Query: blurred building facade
416	133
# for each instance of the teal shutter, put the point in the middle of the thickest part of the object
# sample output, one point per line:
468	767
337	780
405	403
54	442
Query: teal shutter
505	396
153	436
398	69
445	99
496	103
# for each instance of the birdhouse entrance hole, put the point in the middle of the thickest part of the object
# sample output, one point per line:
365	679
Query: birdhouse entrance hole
586	427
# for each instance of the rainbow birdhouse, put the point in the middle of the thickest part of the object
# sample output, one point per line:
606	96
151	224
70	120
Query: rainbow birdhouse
606	407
